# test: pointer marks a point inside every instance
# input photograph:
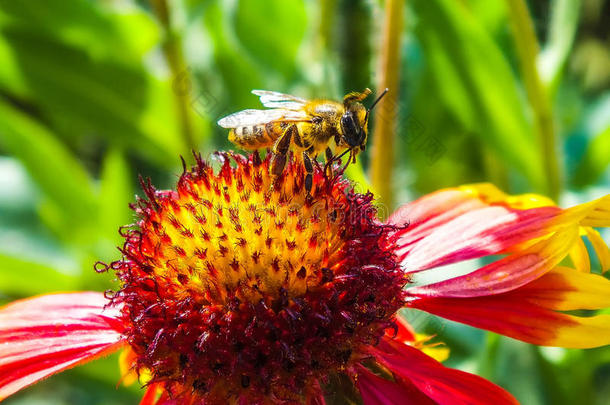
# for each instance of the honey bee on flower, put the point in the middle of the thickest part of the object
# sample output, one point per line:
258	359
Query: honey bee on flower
310	127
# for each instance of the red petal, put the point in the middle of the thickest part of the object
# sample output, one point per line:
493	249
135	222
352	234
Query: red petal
530	312
165	399
431	211
315	396
151	394
403	332
317	399
379	391
44	335
441	384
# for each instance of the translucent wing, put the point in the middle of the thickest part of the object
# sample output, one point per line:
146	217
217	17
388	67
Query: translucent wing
273	99
248	118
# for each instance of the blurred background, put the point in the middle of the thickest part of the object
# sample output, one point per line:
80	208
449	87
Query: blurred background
93	93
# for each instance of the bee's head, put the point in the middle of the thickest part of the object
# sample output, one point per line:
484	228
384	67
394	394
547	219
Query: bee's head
355	119
353	125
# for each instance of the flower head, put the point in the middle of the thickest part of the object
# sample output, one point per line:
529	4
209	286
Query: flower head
239	287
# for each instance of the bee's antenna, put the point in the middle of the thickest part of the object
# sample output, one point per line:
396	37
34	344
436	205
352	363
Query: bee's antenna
338	158
378	98
375	103
343	154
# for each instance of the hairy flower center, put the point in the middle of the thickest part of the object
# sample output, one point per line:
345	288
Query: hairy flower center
222	238
241	286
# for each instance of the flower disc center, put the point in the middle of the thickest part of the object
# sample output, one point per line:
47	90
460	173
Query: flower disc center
241	285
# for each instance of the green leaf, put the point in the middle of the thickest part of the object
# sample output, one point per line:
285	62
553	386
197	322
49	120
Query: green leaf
272	33
116	192
517	369
595	160
239	75
80	94
488	358
492	15
476	83
23	278
59	175
12	78
561	33
88	25
437	146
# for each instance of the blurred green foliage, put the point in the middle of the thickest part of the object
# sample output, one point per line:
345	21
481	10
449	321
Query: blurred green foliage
94	92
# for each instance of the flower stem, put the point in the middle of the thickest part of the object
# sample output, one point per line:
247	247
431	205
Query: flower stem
175	59
382	160
494	169
528	49
328	11
489	358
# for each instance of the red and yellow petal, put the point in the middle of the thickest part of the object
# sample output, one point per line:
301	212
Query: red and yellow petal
43	335
506	274
533	314
522	294
479	220
404	332
152	395
127	360
536	239
601	249
564	289
437	351
579	255
490	194
460	224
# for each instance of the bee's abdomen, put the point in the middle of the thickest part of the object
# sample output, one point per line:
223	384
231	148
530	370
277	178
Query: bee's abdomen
255	136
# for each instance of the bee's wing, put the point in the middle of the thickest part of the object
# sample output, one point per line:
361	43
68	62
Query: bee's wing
273	99
248	118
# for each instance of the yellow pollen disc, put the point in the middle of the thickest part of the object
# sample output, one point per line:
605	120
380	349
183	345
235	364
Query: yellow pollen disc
235	234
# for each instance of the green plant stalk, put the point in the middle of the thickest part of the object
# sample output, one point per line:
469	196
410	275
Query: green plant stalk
527	50
489	356
328	10
560	39
355	67
495	170
553	390
172	50
386	119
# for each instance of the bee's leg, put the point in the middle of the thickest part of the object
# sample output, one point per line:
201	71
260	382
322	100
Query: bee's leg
314	160
329	162
309	170
280	151
256	158
313	157
349	160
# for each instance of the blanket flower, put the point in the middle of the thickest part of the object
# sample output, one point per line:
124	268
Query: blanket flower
239	287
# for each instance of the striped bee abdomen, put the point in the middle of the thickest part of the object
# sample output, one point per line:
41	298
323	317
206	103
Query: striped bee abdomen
257	136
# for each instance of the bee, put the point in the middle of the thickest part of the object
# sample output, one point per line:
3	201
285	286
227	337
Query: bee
309	127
